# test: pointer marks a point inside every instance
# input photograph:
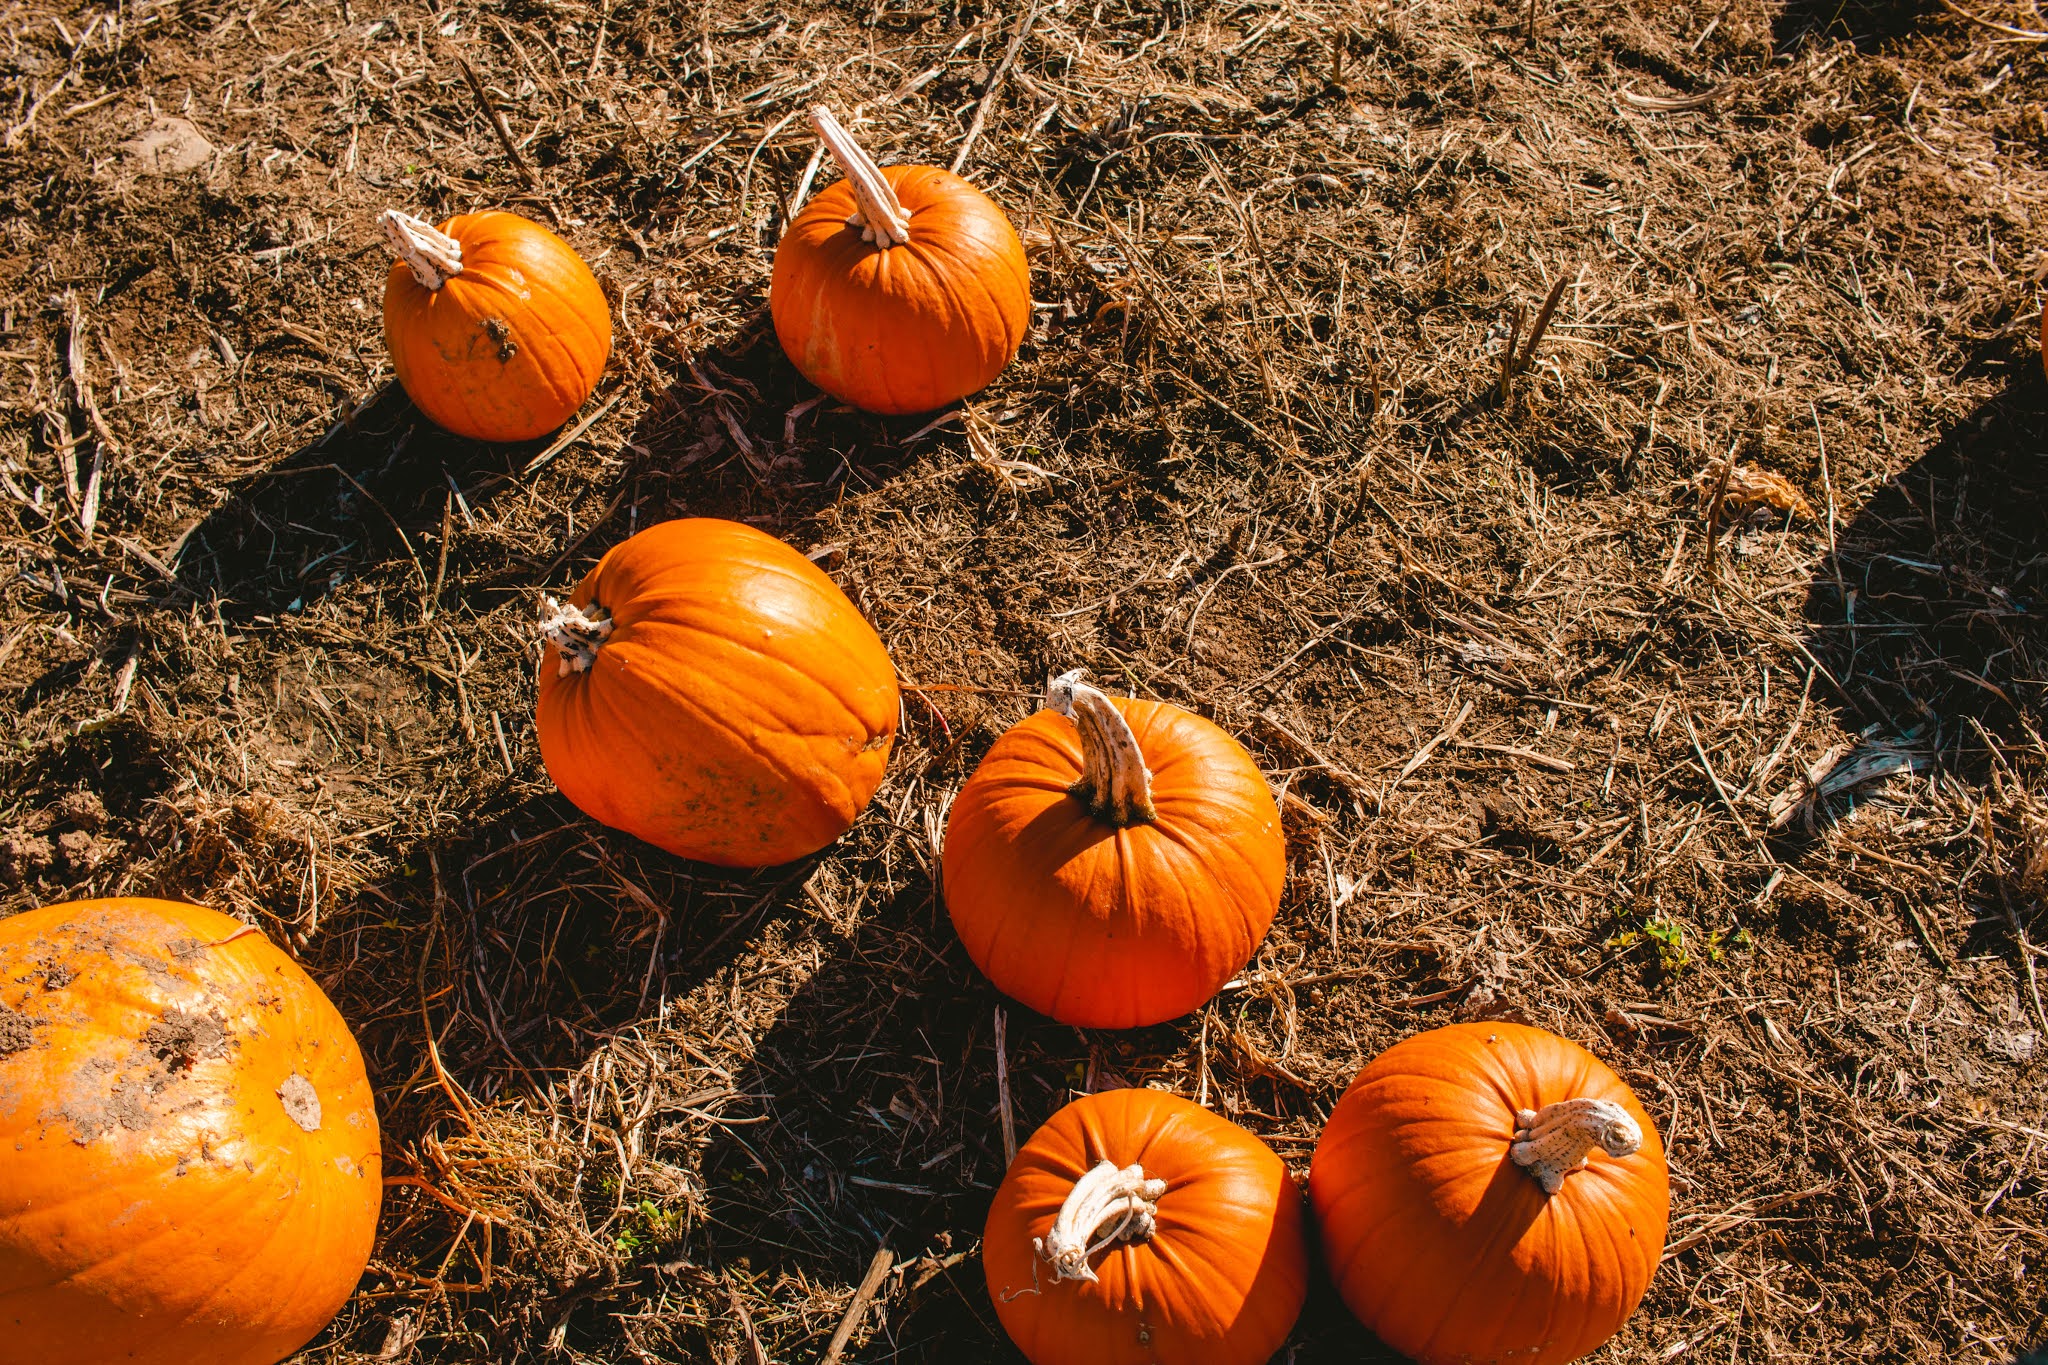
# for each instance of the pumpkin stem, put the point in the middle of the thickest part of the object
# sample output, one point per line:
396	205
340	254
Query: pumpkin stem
575	633
1102	1196
433	256
1553	1142
1115	783
880	218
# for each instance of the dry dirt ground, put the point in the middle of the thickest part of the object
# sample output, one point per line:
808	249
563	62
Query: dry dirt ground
1748	799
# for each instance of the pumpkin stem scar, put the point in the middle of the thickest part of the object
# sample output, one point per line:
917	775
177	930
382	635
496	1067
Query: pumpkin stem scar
880	218
1115	783
575	633
1103	1195
433	256
1553	1142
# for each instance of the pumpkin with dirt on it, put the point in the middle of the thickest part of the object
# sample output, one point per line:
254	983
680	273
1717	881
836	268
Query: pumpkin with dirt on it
189	1160
497	328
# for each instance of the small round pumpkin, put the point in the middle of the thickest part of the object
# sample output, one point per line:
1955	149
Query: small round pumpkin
497	328
189	1165
898	289
1113	862
1490	1193
711	691
1136	1228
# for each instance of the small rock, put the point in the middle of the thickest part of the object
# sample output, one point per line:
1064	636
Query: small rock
169	146
24	858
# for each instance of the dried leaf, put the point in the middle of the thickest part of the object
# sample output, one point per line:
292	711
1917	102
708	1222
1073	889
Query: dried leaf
1750	487
1835	773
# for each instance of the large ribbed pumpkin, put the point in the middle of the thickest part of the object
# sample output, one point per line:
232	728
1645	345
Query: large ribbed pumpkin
1113	862
710	690
1136	1228
1490	1194
189	1165
497	328
898	289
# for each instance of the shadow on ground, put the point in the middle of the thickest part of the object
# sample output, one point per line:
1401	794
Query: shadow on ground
1932	612
1870	24
377	488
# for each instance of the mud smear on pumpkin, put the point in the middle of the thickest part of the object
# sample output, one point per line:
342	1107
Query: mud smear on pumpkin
17	1032
56	975
181	1039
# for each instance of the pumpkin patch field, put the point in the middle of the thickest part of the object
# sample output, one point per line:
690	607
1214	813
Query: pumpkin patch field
1087	682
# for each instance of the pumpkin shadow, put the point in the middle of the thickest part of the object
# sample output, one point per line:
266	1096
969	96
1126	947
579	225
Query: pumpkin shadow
525	940
869	1117
1931	613
866	1117
739	433
1869	24
372	490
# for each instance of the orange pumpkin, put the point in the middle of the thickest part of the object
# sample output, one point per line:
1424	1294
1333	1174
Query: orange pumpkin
1490	1193
497	328
1112	863
1136	1228
899	289
710	690
189	1165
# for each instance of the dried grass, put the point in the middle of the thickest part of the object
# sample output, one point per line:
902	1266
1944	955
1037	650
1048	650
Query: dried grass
1272	451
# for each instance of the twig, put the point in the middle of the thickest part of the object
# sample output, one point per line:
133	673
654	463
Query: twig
497	121
2028	35
28	120
1507	357
995	81
563	442
878	1270
739	1310
1746	1212
1543	318
1714	512
2012	915
1700	752
1421	756
1003	1089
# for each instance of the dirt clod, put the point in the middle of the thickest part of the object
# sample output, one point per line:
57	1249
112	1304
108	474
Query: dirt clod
17	1031
82	810
24	858
181	1039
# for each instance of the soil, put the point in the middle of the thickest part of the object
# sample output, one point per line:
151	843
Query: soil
1563	669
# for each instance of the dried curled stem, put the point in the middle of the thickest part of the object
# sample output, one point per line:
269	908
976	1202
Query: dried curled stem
1103	1195
1115	783
881	217
575	633
431	254
1554	1141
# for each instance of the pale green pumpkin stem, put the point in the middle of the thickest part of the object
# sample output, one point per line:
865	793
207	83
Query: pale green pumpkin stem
1104	1195
1115	783
431	254
1554	1141
880	218
575	633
